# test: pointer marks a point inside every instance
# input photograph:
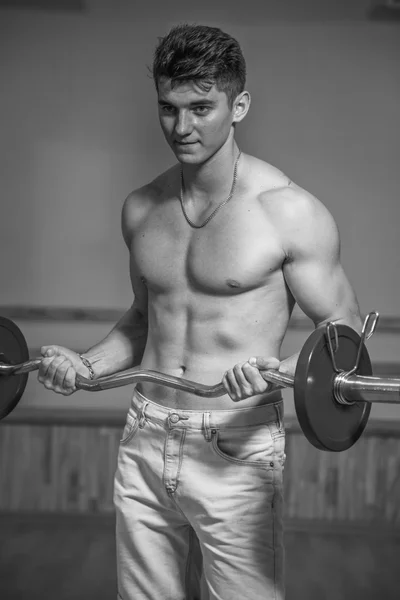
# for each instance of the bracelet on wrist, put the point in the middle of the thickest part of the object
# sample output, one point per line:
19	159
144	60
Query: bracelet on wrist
88	365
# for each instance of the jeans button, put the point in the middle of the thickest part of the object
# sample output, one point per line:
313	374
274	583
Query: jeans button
174	418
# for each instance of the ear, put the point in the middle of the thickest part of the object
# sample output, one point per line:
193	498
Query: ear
241	106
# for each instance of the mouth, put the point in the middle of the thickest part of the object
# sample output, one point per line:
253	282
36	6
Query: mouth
185	143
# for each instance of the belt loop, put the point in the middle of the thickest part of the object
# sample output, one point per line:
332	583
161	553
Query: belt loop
206	426
279	415
142	418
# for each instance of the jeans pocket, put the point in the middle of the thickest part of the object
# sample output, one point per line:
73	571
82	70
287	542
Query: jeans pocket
252	446
131	426
279	438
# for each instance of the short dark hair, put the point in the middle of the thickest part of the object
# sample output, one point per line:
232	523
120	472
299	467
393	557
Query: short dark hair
202	54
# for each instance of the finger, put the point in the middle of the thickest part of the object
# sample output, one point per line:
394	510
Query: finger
230	388
231	385
62	391
44	368
61	365
64	375
49	354
69	379
54	373
255	379
61	375
264	363
47	351
243	385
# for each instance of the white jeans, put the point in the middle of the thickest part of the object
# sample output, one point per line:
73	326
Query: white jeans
200	479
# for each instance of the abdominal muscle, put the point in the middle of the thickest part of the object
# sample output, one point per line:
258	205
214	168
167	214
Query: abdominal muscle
200	341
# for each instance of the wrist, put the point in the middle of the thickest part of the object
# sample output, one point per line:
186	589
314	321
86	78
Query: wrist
88	365
288	365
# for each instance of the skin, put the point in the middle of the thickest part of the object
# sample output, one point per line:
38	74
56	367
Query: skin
214	303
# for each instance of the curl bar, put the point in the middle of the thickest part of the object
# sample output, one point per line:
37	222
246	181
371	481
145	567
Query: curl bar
333	383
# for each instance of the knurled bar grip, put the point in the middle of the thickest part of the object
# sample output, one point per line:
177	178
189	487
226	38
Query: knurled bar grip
135	375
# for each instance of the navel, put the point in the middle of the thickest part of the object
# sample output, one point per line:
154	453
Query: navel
232	283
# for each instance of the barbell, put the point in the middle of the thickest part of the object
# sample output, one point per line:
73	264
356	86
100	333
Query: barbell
333	384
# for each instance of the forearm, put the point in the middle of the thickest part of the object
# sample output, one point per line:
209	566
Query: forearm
353	320
288	365
122	348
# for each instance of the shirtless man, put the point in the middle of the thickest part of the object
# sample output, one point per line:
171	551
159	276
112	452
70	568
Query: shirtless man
214	286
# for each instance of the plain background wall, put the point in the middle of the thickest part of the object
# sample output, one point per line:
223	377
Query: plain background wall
79	131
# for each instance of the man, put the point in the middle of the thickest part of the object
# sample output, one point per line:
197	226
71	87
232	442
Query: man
221	247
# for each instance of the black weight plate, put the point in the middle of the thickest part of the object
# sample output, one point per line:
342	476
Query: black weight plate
13	350
327	424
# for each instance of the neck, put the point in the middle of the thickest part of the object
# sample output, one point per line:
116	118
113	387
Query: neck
212	178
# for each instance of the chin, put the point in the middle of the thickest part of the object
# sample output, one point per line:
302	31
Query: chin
188	158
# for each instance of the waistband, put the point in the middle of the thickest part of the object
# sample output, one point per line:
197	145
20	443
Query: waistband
146	409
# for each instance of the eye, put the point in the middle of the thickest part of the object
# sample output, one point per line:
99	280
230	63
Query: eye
167	109
202	110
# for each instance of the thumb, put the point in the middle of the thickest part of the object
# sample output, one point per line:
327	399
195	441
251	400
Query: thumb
48	351
263	364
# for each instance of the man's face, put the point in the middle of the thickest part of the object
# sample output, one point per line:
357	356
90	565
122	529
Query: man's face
196	123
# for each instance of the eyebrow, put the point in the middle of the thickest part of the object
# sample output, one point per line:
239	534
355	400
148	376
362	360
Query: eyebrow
192	104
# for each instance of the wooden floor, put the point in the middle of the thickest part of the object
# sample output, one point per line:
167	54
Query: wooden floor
57	524
61	558
65	557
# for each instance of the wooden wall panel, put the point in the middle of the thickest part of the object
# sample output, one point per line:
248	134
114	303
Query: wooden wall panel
57	468
361	484
70	468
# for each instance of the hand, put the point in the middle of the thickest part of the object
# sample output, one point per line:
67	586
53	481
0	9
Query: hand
58	369
245	379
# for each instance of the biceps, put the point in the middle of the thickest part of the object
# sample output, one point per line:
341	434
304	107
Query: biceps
321	289
140	302
139	289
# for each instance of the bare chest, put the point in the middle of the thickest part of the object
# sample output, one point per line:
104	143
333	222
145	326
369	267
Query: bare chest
235	252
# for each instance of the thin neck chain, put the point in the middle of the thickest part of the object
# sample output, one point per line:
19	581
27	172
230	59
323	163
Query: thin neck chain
218	208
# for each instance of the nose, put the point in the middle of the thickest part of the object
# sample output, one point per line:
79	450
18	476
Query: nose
183	124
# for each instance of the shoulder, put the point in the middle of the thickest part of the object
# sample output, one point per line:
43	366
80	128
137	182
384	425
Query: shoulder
296	207
305	224
144	197
300	219
140	201
260	177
